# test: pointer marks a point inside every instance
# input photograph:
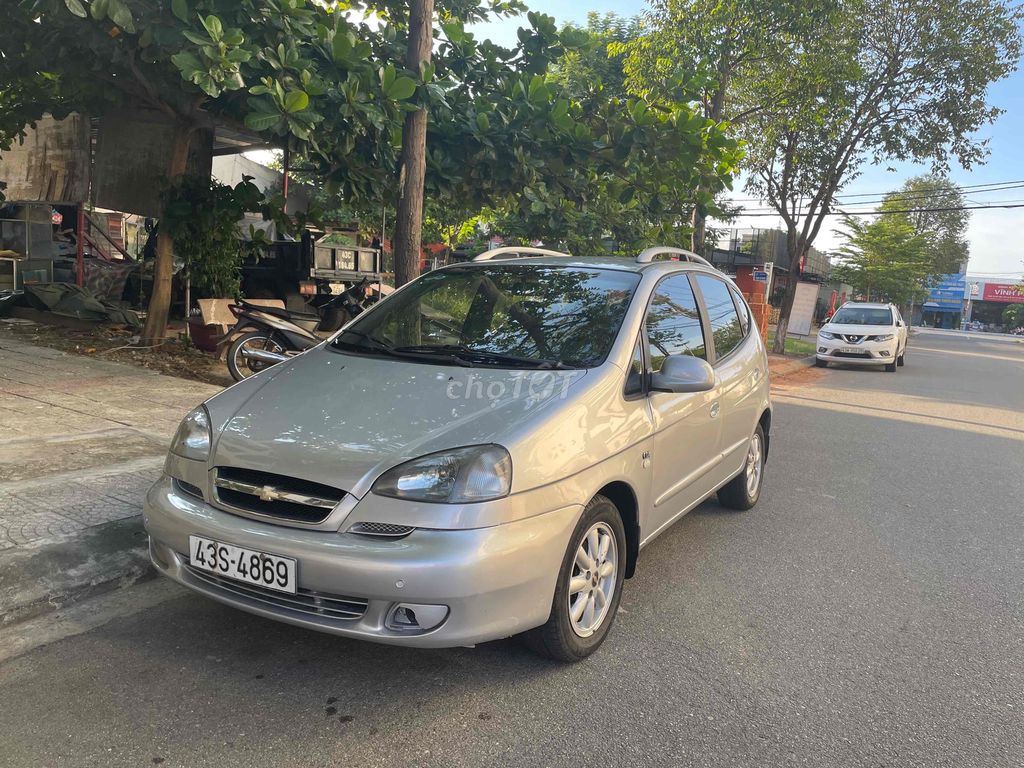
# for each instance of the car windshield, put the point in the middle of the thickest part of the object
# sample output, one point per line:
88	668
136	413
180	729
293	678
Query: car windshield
863	316
503	315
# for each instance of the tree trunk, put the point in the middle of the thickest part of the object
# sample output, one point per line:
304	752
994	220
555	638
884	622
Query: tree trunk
795	249
413	165
160	300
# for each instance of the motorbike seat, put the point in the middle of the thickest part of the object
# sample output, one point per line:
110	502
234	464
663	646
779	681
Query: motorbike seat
284	314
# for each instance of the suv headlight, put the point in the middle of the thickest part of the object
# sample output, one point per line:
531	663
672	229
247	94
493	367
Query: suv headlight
885	337
192	440
826	335
459	476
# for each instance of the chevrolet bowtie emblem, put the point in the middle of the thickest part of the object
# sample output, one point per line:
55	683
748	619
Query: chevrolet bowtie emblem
269	493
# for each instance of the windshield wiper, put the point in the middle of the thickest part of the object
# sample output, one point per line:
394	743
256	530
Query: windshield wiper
431	354
377	342
488	356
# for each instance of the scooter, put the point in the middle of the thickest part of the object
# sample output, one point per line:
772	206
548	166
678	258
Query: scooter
265	336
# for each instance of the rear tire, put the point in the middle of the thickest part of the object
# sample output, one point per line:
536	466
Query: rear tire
743	491
582	581
241	368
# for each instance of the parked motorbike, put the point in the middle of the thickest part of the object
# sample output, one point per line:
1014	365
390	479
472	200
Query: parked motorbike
265	336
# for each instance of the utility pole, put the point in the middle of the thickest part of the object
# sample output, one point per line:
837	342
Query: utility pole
413	165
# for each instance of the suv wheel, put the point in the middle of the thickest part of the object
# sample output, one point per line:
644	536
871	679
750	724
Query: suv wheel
589	586
743	490
902	359
891	367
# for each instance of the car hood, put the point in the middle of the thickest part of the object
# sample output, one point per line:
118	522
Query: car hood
858	330
341	419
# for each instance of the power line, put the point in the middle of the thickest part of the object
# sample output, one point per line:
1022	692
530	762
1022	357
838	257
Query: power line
996	186
886	213
849	207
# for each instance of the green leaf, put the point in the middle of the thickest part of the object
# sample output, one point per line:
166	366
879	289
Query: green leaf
121	15
403	88
341	46
98	9
188	63
76	8
387	77
296	101
482	122
213	26
263	121
192	37
180	9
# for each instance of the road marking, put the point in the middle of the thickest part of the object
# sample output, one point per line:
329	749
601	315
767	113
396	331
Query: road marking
925	350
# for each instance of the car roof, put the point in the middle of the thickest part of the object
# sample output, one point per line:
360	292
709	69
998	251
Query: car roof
621	263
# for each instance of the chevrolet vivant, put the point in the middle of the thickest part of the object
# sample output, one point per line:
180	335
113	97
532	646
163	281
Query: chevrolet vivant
483	454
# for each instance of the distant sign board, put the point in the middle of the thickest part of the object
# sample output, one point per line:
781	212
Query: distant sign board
1008	293
760	276
803	309
948	293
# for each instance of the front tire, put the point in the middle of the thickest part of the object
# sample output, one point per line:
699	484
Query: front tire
588	589
890	367
743	491
902	359
819	363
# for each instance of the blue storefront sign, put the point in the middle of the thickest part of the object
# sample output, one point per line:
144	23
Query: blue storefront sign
948	294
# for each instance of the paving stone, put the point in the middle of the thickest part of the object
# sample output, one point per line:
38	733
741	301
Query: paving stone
34	525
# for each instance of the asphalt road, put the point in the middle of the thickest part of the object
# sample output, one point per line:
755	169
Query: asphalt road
868	612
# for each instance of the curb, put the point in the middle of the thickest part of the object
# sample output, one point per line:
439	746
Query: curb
784	369
54	574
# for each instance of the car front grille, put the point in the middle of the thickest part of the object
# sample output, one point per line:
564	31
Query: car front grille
270	495
305	601
854	338
859	355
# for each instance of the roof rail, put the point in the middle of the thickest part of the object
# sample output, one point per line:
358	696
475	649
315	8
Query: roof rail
520	250
647	256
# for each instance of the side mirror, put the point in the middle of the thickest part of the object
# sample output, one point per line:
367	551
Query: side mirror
683	373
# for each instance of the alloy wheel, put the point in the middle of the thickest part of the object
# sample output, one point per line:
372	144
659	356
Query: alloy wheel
592	579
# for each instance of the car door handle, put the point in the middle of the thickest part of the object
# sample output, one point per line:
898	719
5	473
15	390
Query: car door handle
715	408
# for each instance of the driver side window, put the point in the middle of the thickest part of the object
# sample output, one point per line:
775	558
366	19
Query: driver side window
673	322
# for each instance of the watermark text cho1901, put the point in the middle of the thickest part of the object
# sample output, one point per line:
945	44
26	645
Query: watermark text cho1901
532	385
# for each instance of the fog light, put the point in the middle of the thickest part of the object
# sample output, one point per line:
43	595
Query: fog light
884	353
823	349
408	616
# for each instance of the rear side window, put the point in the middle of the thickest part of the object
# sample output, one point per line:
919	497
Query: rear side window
673	322
741	307
725	322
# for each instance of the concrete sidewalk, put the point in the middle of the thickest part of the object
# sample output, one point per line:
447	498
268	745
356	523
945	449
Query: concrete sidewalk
81	441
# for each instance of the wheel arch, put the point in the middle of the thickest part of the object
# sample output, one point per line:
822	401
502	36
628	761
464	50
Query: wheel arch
622	496
765	423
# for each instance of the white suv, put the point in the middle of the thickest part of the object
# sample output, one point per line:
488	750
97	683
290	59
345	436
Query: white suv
863	334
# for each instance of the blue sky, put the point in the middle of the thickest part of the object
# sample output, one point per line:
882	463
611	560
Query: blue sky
993	234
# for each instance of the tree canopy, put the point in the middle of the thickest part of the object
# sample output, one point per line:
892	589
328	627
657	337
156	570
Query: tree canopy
885	259
936	208
502	133
884	80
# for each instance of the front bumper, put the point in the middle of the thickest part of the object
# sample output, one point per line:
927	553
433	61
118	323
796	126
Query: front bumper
862	353
496	581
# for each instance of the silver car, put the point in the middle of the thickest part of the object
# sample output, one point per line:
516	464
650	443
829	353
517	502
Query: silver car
483	454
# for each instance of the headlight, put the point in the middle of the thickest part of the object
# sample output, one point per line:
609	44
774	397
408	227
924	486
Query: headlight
826	335
459	476
192	440
885	337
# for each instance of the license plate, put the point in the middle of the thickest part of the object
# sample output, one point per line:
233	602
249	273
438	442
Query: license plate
248	565
851	350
